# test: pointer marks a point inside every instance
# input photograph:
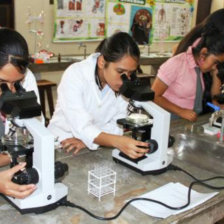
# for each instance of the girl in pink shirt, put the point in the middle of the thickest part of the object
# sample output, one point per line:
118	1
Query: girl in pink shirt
212	80
179	85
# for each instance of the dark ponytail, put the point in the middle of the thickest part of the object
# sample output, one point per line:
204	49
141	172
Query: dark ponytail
117	46
190	38
212	39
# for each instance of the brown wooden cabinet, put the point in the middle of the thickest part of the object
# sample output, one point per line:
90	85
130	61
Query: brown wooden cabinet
7	13
204	8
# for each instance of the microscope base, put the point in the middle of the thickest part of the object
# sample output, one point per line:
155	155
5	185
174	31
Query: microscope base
37	210
40	201
148	172
148	164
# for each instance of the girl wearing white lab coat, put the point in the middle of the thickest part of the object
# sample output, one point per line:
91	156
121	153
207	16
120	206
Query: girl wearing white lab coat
89	104
14	58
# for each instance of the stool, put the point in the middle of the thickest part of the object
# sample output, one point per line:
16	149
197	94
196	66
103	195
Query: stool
45	86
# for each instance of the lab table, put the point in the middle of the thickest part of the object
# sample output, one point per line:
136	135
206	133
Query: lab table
51	66
129	184
54	65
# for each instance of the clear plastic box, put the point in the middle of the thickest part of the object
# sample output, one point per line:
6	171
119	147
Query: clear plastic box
101	181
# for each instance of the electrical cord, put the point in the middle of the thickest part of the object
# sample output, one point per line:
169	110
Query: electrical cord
171	167
199	181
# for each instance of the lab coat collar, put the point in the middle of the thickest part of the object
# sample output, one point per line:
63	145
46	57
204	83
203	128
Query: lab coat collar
91	62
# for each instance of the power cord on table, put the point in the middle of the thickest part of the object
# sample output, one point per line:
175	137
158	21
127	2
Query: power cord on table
171	167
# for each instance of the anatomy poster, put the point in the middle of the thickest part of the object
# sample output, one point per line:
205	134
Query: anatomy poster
132	16
145	20
77	20
172	19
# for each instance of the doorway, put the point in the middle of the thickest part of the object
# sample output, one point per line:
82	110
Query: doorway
7	13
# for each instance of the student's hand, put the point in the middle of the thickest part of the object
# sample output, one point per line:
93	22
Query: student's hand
132	147
70	144
5	159
189	115
9	188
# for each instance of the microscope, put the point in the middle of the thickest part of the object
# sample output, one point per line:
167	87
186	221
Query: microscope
149	123
27	139
217	116
215	121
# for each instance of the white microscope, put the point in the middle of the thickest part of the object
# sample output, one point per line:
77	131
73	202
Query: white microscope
153	129
36	145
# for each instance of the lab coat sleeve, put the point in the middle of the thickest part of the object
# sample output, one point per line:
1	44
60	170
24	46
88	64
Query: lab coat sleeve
112	127
70	95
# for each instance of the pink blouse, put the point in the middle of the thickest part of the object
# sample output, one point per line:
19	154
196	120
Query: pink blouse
179	74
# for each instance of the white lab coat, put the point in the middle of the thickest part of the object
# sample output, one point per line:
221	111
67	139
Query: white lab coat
29	83
81	110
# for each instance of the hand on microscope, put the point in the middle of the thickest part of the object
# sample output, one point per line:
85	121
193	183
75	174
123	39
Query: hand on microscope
9	188
5	159
70	144
131	147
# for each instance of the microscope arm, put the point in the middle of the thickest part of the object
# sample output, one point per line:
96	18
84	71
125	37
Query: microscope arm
161	126
48	193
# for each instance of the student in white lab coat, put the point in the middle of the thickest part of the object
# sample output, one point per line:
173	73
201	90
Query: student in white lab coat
89	102
14	58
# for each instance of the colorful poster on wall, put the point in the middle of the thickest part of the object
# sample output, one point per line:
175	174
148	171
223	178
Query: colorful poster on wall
132	16
78	20
172	19
144	20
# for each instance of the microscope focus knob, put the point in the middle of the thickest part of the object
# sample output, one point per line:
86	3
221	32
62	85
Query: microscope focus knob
60	169
171	141
153	146
27	176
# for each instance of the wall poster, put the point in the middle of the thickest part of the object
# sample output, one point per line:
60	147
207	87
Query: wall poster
78	20
144	20
172	19
132	16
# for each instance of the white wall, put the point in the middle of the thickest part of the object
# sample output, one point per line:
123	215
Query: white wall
36	6
217	4
21	11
